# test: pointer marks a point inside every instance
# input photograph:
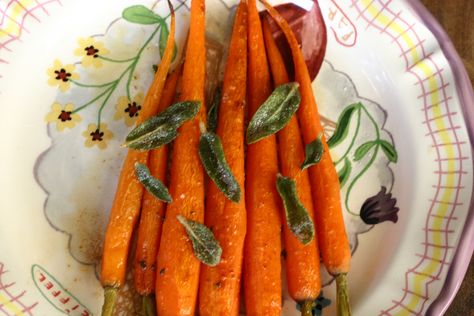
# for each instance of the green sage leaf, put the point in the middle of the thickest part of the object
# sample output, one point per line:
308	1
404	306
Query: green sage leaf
161	129
212	113
343	123
363	150
297	216
140	14
206	247
389	151
213	160
164	33
345	172
314	152
274	113
152	184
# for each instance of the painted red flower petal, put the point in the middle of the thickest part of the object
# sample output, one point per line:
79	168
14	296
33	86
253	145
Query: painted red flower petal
310	31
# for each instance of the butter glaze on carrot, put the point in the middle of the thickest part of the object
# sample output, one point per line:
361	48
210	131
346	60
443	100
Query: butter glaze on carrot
219	290
302	261
153	210
262	267
177	267
126	206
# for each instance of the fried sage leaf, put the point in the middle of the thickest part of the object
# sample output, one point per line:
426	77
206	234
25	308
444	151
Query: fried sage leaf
213	160
297	216
274	113
161	129
206	247
152	184
314	152
213	111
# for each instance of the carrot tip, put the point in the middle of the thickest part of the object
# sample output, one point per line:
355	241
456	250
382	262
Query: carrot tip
149	307
110	297
343	305
307	308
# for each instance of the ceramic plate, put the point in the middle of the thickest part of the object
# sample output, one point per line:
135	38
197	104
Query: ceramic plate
73	75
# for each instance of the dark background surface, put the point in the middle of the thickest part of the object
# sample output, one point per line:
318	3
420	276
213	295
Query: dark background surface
457	18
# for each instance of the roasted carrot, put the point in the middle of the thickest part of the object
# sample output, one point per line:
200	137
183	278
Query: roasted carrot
333	241
262	267
153	210
126	206
302	261
220	285
178	269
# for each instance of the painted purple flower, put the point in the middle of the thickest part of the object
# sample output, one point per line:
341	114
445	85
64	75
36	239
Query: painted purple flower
379	208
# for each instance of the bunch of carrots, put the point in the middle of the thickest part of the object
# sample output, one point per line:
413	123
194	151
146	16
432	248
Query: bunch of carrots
269	177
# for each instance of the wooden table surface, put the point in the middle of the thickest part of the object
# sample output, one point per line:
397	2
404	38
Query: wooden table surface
456	17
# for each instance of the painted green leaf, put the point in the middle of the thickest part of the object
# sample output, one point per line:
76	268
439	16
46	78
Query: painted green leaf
152	184
314	153
297	216
345	172
213	160
363	150
213	111
274	113
140	14
161	129
206	247
343	123
164	33
389	151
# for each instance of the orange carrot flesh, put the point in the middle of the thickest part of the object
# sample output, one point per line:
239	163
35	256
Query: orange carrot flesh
177	268
262	267
126	206
153	210
219	289
302	261
332	237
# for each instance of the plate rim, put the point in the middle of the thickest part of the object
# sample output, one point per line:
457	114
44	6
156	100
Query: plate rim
465	248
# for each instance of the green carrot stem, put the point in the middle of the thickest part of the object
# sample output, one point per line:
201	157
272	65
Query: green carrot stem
110	297
307	308
149	307
343	305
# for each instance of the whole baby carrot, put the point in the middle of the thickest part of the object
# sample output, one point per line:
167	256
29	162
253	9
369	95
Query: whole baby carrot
178	269
126	206
153	210
219	289
262	267
302	261
333	241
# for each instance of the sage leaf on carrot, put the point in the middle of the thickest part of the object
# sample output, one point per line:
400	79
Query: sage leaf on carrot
274	113
206	247
212	157
313	152
213	112
162	128
152	184
297	216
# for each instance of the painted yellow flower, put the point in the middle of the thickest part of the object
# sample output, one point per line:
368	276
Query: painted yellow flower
97	136
63	116
60	75
128	110
90	50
